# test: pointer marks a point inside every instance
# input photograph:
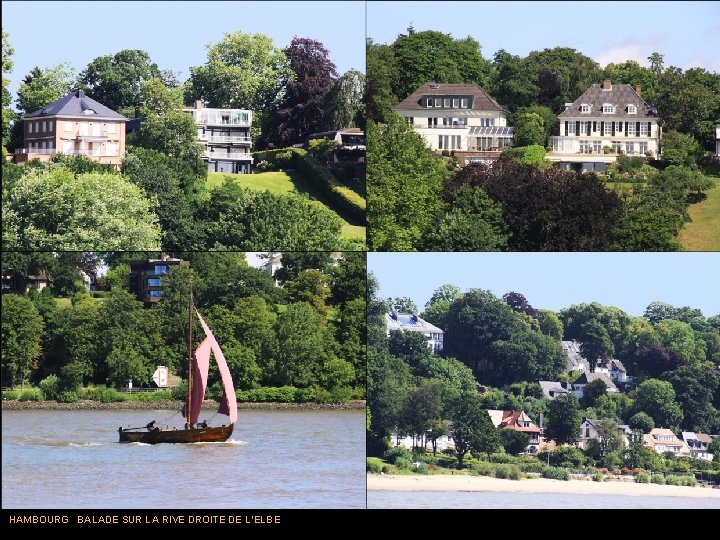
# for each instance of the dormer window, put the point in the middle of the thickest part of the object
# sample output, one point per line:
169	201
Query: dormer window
632	109
438	102
464	103
456	103
608	108
446	103
429	102
585	108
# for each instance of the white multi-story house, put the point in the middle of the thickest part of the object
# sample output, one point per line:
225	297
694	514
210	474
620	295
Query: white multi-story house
225	135
589	432
607	120
459	118
664	440
717	137
410	322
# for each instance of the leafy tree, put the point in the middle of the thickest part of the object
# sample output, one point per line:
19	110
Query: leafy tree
323	149
526	356
657	399
692	181
59	211
546	210
351	335
678	337
608	440
43	86
7	66
344	103
125	364
300	353
456	376
173	133
472	429
550	323
380	66
529	129
596	344
116	80
514	442
593	391
549	121
642	422
241	219
349	278
310	286
679	148
655	360
695	388
403	305
473	223
714	447
410	346
253	322
296	262
512	81
563	419
302	107
424	408
22	329
157	98
404	180
436	309
433	56
519	303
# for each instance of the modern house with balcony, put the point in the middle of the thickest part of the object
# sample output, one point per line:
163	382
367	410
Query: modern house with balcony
458	118
351	144
147	277
75	125
604	122
225	136
410	322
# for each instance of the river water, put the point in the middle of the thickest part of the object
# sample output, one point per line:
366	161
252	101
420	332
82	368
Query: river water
274	459
492	500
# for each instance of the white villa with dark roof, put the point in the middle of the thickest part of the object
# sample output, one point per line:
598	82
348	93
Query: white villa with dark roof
75	125
410	322
459	118
717	137
604	122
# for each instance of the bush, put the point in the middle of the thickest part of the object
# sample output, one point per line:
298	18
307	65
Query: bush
99	294
31	394
681	481
398	452
110	395
597	477
658	479
50	387
10	394
535	466
642	478
373	465
555	473
403	464
504	470
268	394
68	396
422	469
483	469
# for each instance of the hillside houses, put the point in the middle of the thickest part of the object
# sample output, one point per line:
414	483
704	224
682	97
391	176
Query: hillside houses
411	322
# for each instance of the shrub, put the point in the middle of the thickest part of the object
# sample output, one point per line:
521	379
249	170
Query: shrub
403	464
422	469
483	469
398	452
642	478
373	466
555	473
31	394
597	477
50	387
68	396
505	470
385	469
99	294
658	479
268	394
681	481
535	466
110	395
10	394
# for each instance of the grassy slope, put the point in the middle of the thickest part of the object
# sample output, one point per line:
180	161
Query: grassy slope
284	183
703	233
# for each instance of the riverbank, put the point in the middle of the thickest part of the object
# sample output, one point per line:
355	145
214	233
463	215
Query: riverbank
532	485
89	405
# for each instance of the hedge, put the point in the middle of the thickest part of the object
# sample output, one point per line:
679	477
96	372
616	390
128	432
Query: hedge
344	199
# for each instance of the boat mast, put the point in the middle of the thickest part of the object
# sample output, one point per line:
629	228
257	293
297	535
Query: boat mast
188	402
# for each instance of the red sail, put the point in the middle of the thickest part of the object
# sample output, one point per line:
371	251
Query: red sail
201	364
228	403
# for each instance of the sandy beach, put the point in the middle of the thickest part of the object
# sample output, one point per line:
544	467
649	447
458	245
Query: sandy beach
533	485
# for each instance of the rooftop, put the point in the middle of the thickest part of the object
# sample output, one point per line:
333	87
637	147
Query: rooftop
479	99
619	95
76	103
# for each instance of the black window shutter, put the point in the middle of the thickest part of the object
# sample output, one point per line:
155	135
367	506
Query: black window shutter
594	126
613	129
602	129
637	129
566	128
649	129
626	129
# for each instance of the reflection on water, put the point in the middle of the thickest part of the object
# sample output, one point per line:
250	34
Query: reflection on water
275	459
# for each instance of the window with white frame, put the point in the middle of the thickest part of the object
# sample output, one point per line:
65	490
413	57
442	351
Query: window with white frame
584	147
429	102
617	146
30	127
487	122
632	109
571	128
644	131
456	103
643	148
585	108
111	149
629	148
464	103
438	102
608	128
631	129
442	142
446	102
597	146
456	142
583	128
608	108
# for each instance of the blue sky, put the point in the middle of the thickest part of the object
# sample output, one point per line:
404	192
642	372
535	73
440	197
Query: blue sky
687	33
629	281
173	33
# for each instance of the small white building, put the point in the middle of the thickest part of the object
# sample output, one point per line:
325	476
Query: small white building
604	122
698	444
662	440
717	137
410	322
578	387
589	432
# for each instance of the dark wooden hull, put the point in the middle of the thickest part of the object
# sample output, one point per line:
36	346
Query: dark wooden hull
193	435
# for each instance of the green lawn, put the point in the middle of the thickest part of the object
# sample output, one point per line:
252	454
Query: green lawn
703	233
285	183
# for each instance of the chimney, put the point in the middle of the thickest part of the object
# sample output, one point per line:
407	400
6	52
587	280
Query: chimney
637	89
567	106
80	93
606	85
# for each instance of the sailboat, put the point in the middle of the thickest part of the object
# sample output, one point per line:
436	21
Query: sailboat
198	366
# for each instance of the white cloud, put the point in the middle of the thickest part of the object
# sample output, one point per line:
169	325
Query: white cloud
712	64
618	55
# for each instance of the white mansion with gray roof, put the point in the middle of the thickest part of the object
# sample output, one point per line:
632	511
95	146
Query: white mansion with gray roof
410	322
605	121
459	118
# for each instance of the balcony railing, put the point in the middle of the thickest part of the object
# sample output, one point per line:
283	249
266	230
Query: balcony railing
51	151
454	126
229	155
226	139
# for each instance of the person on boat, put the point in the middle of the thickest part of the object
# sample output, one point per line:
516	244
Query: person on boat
150	425
204	424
